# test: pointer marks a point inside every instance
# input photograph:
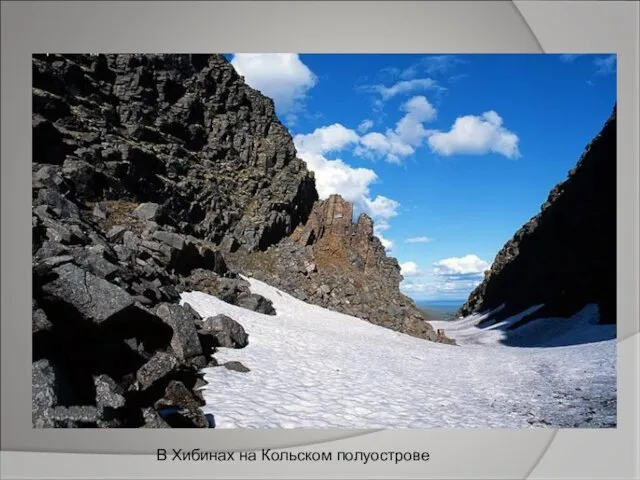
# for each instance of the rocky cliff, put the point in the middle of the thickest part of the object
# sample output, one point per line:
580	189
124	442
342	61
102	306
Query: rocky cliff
338	264
565	256
155	174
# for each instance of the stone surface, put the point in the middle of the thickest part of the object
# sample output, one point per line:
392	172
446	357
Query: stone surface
44	395
236	367
184	342
94	298
227	332
108	393
339	264
157	369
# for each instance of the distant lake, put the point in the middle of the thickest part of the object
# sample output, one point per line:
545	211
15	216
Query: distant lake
440	309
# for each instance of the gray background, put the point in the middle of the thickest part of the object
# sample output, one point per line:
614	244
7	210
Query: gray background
310	27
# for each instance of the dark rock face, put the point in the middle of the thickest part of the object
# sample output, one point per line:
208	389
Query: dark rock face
181	136
227	332
338	264
144	168
565	256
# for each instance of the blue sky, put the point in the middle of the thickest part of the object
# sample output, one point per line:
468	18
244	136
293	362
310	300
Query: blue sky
449	154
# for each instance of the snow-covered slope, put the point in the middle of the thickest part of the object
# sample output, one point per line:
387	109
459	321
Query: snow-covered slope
314	368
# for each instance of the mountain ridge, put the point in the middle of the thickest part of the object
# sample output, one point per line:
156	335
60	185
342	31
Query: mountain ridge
149	173
565	256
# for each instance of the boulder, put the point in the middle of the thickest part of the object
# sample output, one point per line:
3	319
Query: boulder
227	332
184	342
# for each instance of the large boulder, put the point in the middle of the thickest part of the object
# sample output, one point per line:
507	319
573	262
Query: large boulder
227	332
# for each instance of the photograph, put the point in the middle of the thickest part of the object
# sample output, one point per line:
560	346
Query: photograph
324	240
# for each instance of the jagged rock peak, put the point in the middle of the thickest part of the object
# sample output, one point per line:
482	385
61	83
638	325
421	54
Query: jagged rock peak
565	256
340	264
333	217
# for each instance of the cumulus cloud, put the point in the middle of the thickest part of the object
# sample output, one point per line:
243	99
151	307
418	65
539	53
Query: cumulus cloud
402	141
381	208
476	135
461	266
410	128
417	240
409	269
281	76
424	285
326	139
336	176
365	126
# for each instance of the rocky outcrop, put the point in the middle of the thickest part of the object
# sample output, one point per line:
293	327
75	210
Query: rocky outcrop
341	265
149	173
565	256
145	168
180	131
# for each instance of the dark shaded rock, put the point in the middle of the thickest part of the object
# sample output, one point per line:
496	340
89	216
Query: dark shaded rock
236	367
198	362
184	342
108	393
255	302
148	211
192	311
565	256
76	415
338	264
157	370
40	322
100	211
152	419
95	299
184	417
116	233
44	394
197	389
177	395
94	259
227	332
47	142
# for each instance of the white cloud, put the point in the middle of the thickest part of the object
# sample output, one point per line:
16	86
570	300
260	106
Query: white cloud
387	244
410	128
423	286
417	240
326	139
281	76
435	64
408	134
409	269
381	208
476	135
467	265
403	87
378	228
336	176
365	126
606	65
569	57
